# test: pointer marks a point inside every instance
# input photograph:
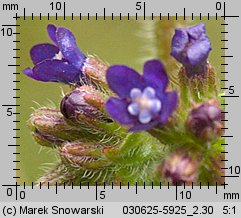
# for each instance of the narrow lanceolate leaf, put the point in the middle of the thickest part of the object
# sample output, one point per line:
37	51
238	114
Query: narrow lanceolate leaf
136	158
137	148
83	155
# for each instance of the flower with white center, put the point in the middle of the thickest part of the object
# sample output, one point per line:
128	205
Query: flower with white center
59	62
143	101
144	104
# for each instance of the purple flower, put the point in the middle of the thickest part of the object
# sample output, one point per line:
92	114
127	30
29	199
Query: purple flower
61	62
191	47
143	101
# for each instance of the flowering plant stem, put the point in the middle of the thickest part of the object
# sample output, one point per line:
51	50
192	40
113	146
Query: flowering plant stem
119	126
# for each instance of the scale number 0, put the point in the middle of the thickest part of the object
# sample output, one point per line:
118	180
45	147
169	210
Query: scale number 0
218	6
10	193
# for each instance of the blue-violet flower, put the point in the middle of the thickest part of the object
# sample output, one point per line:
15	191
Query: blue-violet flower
61	62
143	101
191	47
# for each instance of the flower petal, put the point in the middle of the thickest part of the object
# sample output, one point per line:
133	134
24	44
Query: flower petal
117	109
155	106
149	92
195	32
199	51
53	71
28	71
155	75
122	79
145	117
169	103
52	33
141	127
135	93
179	42
69	48
42	52
133	109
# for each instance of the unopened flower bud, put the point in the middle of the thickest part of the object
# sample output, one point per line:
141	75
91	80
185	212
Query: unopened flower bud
84	105
46	139
205	121
197	78
191	47
180	168
79	154
84	108
49	128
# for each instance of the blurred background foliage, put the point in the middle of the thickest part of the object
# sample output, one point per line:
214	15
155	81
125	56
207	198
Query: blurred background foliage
116	42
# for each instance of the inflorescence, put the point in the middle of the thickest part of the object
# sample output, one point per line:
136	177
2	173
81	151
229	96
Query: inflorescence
89	130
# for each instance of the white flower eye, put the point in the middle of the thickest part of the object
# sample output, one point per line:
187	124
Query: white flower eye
144	104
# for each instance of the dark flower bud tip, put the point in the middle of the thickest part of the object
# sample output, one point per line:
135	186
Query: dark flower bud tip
83	101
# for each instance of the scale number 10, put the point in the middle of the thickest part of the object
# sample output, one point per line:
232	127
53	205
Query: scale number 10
56	6
186	194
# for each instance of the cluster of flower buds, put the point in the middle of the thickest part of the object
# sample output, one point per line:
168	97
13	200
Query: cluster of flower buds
162	123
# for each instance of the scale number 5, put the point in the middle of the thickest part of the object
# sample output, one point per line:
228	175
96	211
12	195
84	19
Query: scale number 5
100	195
139	5
9	112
